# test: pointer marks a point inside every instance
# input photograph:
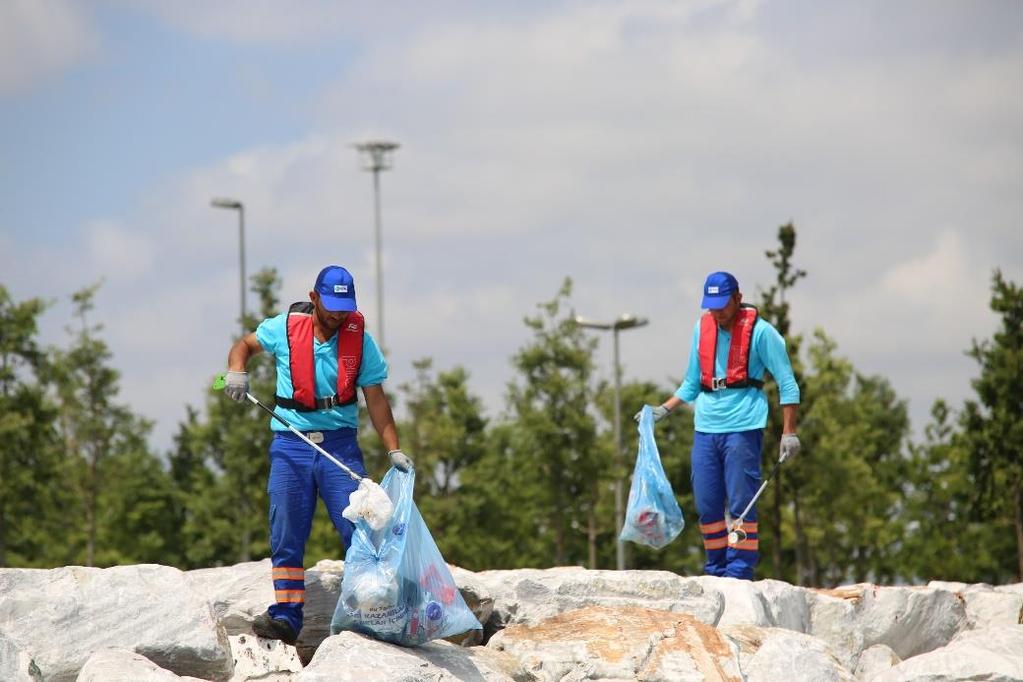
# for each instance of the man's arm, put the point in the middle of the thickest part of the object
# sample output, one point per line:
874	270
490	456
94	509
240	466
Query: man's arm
789	414
241	351
380	414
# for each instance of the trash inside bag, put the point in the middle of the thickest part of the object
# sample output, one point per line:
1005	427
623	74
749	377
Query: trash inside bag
653	517
396	586
370	503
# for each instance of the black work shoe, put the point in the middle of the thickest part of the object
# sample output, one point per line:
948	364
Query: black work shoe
273	628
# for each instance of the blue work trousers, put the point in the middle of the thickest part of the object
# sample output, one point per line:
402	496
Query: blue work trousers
726	470
298	474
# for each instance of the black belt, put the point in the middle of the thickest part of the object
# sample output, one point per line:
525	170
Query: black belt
328	403
719	383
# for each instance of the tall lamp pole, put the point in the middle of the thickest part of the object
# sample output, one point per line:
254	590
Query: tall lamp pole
625	321
236	205
376	157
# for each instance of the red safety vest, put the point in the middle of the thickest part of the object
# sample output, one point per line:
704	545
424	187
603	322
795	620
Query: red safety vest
300	351
737	374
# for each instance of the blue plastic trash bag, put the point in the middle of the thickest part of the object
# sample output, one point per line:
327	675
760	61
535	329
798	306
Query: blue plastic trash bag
396	586
653	517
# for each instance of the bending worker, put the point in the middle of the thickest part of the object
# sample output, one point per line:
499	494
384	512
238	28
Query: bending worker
731	348
310	342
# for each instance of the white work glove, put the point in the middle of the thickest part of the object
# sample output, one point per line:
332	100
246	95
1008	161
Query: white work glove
236	385
400	460
660	412
789	446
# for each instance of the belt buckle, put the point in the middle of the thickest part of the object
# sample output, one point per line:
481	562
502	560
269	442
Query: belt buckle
315	436
717	383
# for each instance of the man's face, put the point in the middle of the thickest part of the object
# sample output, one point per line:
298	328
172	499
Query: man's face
329	321
726	316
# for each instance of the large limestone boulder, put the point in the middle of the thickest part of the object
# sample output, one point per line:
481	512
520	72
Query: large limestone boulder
62	616
348	657
993	654
779	654
744	602
241	592
790	606
910	620
624	643
122	665
532	595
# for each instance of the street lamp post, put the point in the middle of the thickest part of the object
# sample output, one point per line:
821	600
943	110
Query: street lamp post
625	321
376	155
236	205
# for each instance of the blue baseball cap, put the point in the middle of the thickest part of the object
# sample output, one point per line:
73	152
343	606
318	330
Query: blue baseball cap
336	288
718	290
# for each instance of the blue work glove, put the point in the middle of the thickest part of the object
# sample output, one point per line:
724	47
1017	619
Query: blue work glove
400	460
660	412
236	385
789	446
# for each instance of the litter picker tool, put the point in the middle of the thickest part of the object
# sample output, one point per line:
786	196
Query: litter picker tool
736	534
369	502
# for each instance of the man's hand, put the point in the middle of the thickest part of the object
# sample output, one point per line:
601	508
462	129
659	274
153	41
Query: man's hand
236	385
789	446
400	460
660	412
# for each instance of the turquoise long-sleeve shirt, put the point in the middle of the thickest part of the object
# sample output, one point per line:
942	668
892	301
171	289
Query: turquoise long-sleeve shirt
739	409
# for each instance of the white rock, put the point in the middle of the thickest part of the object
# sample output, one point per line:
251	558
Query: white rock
789	605
744	603
348	657
626	643
61	616
994	655
16	665
263	659
1015	588
876	660
122	665
910	620
990	608
241	592
237	593
794	657
531	595
807	658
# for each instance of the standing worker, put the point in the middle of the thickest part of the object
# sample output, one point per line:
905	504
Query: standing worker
731	349
310	342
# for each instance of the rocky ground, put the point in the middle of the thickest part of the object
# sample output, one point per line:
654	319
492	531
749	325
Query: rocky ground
149	622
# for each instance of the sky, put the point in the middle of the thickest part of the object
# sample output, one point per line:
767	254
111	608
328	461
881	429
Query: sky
632	146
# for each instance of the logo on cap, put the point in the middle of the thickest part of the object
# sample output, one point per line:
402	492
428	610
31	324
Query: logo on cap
340	288
712	290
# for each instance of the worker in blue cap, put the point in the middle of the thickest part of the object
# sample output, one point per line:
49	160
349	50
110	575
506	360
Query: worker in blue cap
732	347
323	353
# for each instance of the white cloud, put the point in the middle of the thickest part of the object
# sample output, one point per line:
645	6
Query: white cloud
39	38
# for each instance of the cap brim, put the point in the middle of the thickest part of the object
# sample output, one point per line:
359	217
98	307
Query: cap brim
338	304
715	302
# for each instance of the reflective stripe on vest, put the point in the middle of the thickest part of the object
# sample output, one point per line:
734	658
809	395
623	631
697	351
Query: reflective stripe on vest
737	372
303	373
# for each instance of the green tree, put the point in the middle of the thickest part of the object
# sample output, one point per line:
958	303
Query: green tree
775	309
993	423
103	440
221	466
938	520
554	438
29	458
446	432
